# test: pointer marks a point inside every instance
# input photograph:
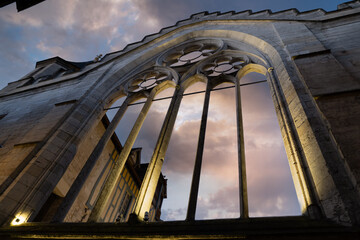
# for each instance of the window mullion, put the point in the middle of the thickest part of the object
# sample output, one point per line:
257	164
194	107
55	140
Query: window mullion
244	207
151	178
116	171
198	159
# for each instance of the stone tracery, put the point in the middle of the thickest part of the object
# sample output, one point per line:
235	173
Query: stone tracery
148	79
191	52
320	171
209	58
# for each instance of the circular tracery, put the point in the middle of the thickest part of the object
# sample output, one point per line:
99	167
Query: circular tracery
190	56
147	80
147	83
192	52
224	65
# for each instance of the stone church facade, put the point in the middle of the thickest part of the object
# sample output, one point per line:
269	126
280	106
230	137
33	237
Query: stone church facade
312	65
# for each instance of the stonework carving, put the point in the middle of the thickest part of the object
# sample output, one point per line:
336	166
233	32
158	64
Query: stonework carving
308	60
191	52
148	79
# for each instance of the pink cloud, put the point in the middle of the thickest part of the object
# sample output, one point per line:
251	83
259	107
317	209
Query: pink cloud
268	176
271	190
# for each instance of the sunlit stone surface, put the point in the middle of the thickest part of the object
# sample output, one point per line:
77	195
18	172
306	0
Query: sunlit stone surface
60	161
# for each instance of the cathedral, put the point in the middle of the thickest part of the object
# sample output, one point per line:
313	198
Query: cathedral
64	173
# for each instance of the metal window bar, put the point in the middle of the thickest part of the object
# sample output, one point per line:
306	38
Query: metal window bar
197	169
187	94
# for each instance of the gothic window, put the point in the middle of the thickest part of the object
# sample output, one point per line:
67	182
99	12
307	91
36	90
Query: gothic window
220	70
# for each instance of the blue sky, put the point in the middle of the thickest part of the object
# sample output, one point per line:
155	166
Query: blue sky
78	30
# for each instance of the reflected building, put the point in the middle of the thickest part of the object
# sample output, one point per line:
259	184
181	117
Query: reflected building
58	161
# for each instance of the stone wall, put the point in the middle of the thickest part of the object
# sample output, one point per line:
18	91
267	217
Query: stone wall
313	71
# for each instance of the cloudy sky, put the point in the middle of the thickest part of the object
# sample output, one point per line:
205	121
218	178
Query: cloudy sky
78	30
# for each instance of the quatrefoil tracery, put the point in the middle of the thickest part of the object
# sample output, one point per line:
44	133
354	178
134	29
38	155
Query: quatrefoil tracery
191	52
224	65
147	80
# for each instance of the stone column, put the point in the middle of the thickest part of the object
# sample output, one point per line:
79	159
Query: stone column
243	198
89	165
198	159
149	184
120	163
299	170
